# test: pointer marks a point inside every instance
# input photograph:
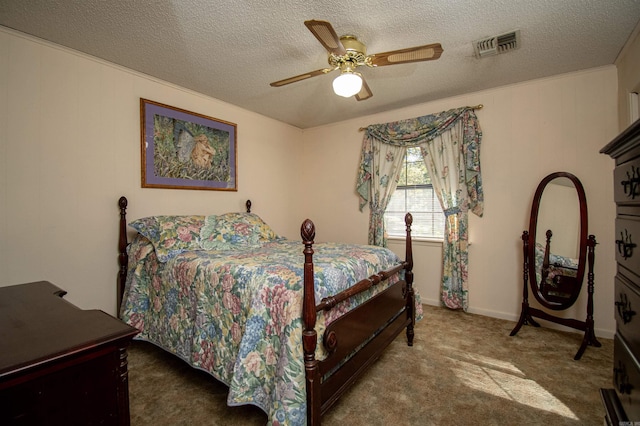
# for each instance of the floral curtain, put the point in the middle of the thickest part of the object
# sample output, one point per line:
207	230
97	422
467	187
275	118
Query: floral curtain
450	144
382	168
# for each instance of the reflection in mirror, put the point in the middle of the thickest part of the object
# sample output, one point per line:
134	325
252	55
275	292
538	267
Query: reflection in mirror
559	211
557	245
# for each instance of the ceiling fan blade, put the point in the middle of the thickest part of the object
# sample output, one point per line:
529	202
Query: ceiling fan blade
427	52
327	36
365	92
300	77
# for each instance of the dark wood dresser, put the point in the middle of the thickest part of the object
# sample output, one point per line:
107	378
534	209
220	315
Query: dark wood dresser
622	403
60	365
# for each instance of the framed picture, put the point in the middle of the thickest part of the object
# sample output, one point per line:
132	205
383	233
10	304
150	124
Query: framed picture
186	150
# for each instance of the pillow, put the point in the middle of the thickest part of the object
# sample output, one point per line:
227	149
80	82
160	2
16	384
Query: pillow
171	235
233	231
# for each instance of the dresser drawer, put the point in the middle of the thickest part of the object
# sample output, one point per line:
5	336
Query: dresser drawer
627	240
626	182
627	313
626	379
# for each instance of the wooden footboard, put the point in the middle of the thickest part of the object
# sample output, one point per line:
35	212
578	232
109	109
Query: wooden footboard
357	339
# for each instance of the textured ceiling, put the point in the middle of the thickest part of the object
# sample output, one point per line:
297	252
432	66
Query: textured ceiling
233	50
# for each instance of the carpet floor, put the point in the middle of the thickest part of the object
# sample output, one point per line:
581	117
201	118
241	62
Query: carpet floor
463	369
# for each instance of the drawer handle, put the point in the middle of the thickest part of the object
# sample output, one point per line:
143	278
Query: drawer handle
624	308
631	186
621	379
625	246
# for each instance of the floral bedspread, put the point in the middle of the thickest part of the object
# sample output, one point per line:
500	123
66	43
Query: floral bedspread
237	314
558	265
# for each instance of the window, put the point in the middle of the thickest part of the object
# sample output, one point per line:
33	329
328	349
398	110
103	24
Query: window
633	106
414	194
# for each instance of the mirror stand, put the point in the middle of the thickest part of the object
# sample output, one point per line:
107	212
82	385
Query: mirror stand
555	277
528	313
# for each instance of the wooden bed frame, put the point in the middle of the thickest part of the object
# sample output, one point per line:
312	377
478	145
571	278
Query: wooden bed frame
353	341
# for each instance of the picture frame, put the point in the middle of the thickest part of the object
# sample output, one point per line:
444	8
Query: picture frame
181	149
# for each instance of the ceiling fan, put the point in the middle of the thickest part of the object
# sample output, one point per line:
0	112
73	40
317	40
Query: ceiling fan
347	53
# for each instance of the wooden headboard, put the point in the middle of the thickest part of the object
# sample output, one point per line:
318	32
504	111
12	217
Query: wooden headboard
123	257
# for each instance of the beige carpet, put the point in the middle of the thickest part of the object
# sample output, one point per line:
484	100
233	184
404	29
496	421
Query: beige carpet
463	369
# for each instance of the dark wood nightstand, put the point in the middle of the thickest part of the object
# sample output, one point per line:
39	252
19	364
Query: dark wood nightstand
60	365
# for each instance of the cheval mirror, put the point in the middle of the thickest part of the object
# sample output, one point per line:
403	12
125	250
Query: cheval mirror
556	252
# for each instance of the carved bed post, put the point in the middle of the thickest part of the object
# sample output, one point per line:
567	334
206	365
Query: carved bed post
408	276
123	258
309	335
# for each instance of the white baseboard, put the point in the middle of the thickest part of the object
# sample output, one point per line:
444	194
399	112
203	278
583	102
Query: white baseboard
600	332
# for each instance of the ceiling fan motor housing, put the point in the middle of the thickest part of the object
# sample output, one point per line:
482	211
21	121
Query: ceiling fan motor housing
352	43
356	54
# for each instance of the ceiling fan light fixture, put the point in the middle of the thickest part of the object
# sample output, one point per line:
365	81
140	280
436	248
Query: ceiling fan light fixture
347	84
347	53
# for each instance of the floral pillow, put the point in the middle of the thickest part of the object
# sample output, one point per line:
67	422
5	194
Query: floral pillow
234	231
171	235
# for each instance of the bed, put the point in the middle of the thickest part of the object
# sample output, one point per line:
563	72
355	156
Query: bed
229	296
556	274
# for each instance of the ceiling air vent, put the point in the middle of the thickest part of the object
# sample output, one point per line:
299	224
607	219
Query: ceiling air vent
502	43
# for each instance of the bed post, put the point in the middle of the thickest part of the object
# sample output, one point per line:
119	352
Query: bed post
309	335
408	276
123	258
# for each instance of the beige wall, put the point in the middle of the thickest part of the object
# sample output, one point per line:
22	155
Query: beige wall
69	147
529	130
628	63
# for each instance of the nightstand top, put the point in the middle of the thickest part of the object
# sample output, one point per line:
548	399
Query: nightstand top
38	326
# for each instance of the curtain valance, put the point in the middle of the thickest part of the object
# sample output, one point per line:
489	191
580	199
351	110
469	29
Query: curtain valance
416	131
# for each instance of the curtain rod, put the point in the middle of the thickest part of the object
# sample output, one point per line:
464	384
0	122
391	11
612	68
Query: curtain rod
479	106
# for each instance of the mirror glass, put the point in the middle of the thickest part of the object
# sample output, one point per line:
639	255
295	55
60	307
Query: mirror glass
559	226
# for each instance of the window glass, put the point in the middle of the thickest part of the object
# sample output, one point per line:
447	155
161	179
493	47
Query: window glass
415	194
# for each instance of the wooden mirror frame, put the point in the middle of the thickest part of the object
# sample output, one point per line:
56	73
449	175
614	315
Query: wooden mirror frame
585	259
582	255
